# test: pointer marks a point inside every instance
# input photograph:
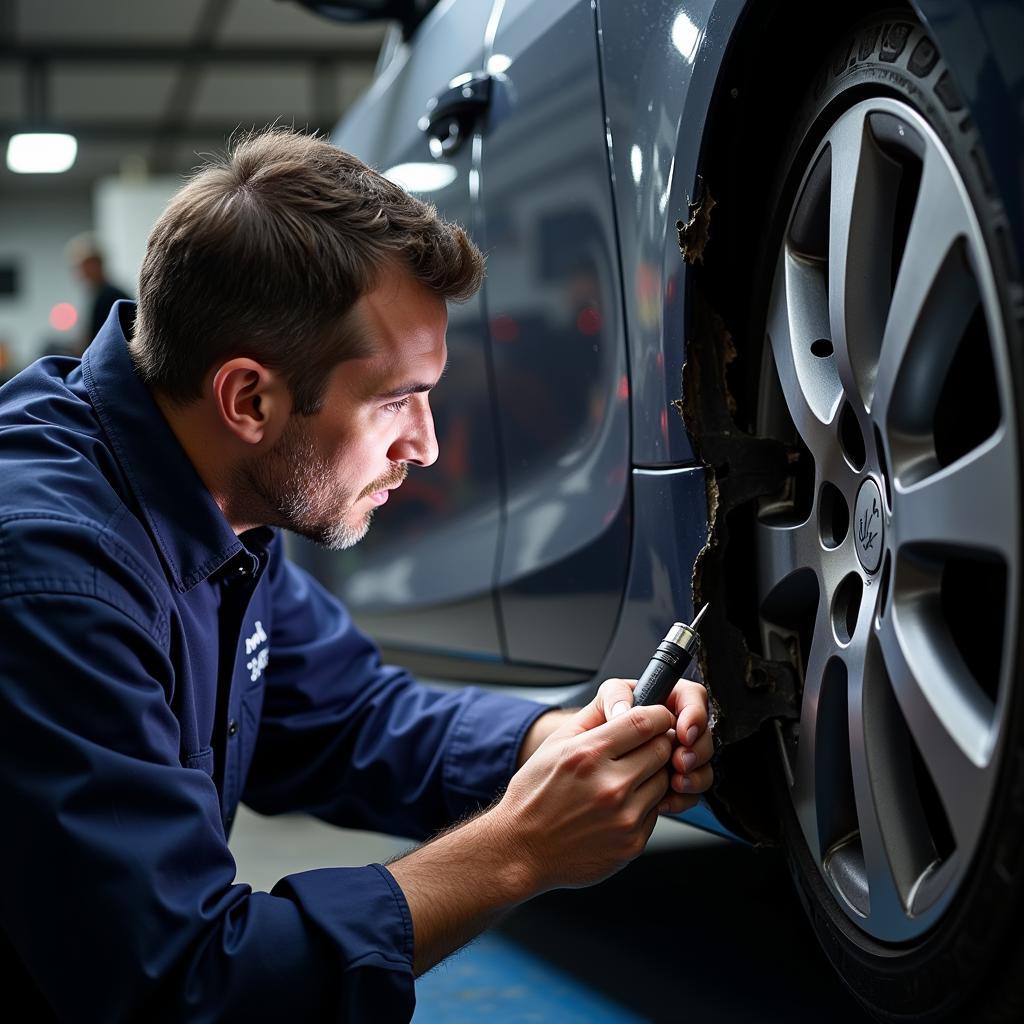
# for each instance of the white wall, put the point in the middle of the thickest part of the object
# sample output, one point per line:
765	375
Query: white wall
125	212
33	233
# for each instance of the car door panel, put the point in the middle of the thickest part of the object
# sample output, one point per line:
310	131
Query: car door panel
554	309
402	582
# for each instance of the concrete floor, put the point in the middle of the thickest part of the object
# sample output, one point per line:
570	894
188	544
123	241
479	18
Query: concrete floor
695	927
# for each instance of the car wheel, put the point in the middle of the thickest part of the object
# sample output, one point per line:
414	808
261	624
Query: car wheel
889	568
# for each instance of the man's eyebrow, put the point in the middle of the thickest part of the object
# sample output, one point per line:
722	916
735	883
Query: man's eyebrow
405	389
411	389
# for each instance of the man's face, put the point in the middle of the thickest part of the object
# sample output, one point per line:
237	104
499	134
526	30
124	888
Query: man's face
327	473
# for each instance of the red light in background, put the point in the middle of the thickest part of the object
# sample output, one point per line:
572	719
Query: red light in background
622	392
504	328
588	322
664	423
63	316
670	289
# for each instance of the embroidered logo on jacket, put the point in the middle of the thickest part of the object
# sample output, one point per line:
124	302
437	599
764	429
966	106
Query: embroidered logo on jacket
254	645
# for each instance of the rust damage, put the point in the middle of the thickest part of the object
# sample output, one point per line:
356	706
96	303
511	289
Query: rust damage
695	233
748	691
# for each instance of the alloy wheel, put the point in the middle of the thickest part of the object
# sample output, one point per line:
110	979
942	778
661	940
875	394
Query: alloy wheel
888	570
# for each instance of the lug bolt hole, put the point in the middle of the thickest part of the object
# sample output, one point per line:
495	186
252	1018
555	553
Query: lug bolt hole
850	438
822	348
833	516
846	607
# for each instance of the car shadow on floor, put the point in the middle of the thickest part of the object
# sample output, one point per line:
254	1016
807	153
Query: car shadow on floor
713	932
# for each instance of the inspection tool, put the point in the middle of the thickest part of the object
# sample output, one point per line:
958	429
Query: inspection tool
668	663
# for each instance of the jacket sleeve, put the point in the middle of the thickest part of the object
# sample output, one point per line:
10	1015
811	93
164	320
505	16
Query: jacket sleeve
363	744
119	898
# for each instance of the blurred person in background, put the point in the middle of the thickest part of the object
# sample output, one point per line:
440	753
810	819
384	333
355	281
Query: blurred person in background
86	260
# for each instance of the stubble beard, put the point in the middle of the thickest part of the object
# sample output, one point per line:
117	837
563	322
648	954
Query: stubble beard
297	489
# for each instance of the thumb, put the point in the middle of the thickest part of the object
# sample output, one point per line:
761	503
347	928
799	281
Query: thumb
615	697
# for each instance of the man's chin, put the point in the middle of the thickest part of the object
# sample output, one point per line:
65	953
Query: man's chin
334	536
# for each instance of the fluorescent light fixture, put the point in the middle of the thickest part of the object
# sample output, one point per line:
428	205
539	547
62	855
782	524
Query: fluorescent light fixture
685	35
41	153
498	63
636	163
422	177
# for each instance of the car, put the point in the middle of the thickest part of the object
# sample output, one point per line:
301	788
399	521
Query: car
751	335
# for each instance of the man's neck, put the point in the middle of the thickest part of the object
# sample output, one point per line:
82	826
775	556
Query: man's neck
196	428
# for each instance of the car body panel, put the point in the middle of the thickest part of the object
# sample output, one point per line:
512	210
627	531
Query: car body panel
660	64
401	580
554	306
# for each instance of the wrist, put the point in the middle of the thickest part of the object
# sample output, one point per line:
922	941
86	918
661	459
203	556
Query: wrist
513	865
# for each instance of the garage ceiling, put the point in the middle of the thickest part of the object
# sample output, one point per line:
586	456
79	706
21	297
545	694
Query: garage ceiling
145	85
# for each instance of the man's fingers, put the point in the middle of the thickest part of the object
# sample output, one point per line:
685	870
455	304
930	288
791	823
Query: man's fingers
689	700
677	803
651	758
616	697
698	781
686	759
628	731
613	697
651	793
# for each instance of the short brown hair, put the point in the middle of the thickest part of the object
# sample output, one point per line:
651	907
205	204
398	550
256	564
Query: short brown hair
264	252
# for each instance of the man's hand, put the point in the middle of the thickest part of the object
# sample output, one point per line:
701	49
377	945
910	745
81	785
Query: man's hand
587	800
693	746
583	803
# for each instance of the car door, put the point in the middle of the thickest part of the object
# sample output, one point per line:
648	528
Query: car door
423	577
556	326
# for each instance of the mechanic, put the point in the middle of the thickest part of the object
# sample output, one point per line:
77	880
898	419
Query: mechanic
163	660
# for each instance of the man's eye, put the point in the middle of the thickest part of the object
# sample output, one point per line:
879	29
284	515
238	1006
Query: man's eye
397	406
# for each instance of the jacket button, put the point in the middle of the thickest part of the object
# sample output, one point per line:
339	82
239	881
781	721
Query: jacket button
232	727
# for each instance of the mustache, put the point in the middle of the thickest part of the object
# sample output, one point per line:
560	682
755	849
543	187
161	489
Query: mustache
389	480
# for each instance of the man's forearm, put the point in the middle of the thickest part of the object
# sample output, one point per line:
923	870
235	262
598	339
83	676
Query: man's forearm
458	884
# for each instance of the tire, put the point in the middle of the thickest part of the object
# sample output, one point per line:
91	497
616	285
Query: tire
889	568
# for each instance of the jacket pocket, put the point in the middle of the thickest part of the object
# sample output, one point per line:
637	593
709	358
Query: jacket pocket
203	760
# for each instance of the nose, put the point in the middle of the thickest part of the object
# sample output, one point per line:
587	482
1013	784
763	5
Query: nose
417	442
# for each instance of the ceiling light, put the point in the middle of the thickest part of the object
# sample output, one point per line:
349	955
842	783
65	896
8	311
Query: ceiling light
422	177
41	153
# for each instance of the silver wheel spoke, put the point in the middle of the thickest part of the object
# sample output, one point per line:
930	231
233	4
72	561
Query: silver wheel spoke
950	726
886	903
863	194
932	279
810	385
968	504
805	775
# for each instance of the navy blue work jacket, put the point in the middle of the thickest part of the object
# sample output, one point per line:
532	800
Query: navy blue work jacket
156	669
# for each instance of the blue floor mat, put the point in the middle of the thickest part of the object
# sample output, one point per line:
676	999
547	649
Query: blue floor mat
496	980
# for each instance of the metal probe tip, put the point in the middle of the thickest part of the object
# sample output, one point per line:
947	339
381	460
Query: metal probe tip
700	615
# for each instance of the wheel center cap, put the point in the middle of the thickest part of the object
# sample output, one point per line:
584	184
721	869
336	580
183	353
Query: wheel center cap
869	526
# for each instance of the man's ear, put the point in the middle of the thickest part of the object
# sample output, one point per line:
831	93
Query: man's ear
251	400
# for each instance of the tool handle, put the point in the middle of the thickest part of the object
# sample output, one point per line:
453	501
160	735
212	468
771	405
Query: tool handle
663	671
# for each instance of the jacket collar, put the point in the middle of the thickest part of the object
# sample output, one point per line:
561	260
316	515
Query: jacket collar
194	538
